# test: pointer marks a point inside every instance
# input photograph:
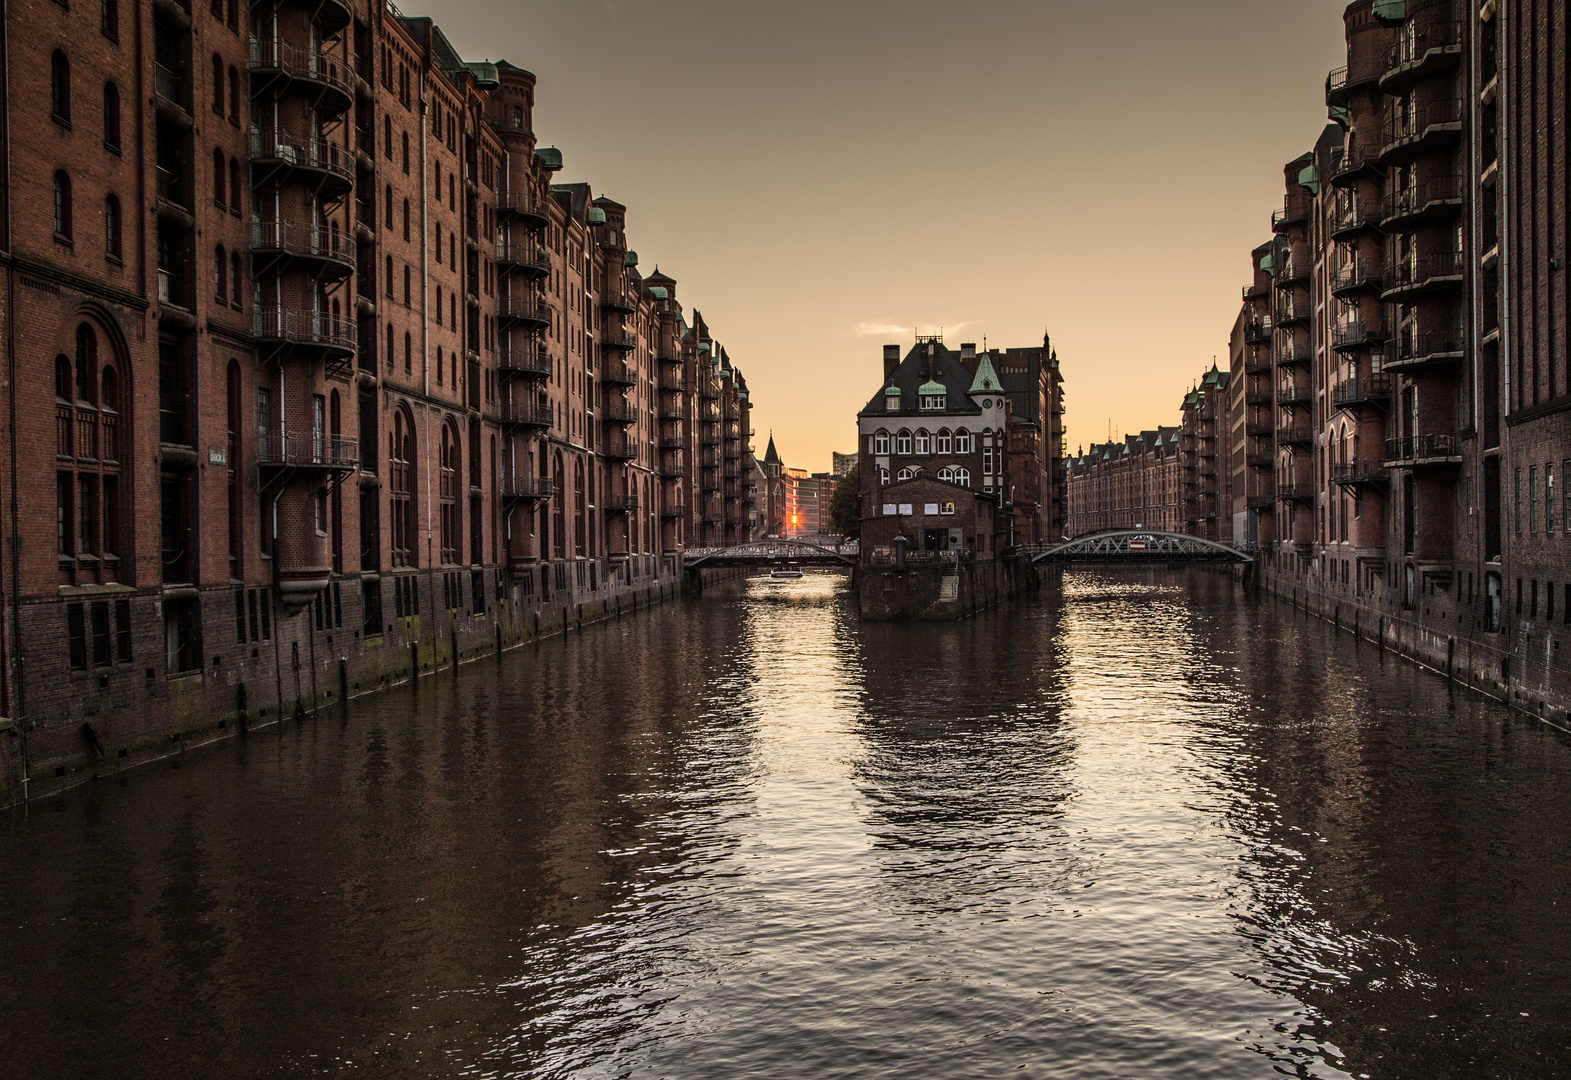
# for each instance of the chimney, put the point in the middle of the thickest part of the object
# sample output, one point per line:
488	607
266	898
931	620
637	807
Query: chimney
891	359
968	352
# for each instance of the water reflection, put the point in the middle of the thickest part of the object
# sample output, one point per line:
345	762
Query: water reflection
1140	827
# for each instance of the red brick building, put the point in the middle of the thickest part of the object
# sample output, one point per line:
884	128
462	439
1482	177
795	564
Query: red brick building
344	379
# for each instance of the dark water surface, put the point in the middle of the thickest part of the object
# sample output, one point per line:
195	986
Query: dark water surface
1149	829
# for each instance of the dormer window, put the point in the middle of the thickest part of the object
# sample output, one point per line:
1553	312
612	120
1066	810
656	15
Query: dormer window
933	402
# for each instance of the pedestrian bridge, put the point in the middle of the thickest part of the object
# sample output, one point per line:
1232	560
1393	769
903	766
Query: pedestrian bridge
772	552
1139	546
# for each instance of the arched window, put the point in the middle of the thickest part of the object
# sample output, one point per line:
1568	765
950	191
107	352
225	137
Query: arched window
220	273
218	84
86	365
88	491
401	487
236	205
944	442
947	473
962	442
232	386
409	354
580	506
448	493
109	18
881	442
924	442
234	15
905	474
963	477
234	96
883	477
388	202
389	278
234	279
220	179
903	443
62	206
112	227
112	116
440	366
408	293
390	361
558	508
60	87
406	219
387	144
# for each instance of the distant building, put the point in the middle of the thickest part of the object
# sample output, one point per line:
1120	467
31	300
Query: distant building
843	463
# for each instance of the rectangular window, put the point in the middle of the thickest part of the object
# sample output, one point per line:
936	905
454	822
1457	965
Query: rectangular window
102	641
252	626
111	514
86	515
1532	500
63	490
267	615
1516	510
123	631
240	616
76	636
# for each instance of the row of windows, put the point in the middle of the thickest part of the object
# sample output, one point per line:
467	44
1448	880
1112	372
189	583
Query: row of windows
922	442
1529	500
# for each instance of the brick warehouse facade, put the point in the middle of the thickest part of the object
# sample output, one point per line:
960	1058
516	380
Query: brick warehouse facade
1412	479
345	385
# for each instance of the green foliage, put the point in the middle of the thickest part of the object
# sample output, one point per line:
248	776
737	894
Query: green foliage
845	509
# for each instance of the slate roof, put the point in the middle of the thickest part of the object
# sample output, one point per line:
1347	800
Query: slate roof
911	373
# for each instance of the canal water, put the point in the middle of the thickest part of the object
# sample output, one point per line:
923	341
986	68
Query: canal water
1144	827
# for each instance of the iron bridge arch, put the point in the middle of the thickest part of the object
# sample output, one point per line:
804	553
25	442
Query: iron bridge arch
1140	545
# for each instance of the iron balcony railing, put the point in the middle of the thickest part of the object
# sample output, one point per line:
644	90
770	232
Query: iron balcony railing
1291	434
1359	471
1356	332
525	360
304	328
524	254
1432	270
1290	352
303	151
303	239
311	450
1295	209
530	413
618	373
527	307
1418	448
1409	124
170	85
1346	162
527	487
297	62
1297	491
1358	275
1433	346
1257	330
673	510
618	446
615	338
618	301
1352	216
622	503
618	412
1419	49
1357	390
522	204
1435	195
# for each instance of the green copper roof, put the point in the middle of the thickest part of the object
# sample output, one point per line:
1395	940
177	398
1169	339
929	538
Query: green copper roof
1309	178
550	157
1390	9
891	391
659	292
986	381
630	259
485	73
596	216
929	388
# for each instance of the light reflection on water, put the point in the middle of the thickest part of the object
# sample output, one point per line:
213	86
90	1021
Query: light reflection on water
1142	828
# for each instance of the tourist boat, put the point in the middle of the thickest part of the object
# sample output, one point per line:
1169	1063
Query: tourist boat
785	572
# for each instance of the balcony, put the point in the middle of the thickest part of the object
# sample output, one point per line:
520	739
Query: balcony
1297	491
1256	292
328	453
305	330
1293	354
529	361
1351	164
518	489
619	301
1288	313
1423	275
526	414
1295	397
618	448
616	411
1258	361
1437	199
172	96
1259	428
1420	129
1356	278
1356	393
326	165
1260	461
1291	273
1351	218
526	257
673	510
1421	51
1359	473
622	504
1301	433
1356	334
534	212
1294	212
620	340
1343	82
1437	348
1415	450
673	442
528	309
1257	331
672	386
1258	397
1261	501
275	63
327	249
618	373
677	471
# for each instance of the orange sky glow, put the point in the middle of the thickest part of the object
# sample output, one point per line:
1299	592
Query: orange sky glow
825	177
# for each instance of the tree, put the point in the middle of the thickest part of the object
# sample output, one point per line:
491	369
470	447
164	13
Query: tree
845	509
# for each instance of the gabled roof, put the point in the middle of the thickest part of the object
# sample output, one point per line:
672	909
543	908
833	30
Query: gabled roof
911	374
986	381
771	456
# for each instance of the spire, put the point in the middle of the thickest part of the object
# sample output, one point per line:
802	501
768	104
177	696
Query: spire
771	456
986	381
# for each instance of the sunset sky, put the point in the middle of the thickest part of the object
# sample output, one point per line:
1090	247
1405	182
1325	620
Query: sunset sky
823	177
